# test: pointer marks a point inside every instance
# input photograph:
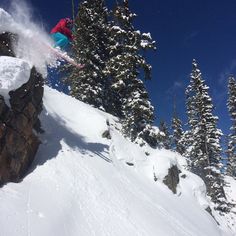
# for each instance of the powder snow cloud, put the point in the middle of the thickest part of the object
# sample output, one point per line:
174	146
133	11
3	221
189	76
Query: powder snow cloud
34	41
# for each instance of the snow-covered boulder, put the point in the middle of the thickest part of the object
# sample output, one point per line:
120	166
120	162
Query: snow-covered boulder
21	92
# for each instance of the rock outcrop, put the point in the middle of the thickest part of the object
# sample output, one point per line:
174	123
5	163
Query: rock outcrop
18	139
172	179
6	44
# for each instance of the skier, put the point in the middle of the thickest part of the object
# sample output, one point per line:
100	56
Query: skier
62	34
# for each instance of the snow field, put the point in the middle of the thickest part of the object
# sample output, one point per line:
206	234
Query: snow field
80	183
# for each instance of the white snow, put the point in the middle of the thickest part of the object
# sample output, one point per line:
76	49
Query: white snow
144	43
83	184
230	191
13	73
80	183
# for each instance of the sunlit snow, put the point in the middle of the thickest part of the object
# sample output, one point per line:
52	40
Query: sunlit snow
83	184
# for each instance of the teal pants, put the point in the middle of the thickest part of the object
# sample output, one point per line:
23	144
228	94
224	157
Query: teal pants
60	40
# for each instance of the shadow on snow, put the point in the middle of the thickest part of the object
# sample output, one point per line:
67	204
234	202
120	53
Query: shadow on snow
55	131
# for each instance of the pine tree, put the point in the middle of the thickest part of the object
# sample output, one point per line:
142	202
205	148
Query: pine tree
204	149
177	132
164	140
90	48
177	136
186	141
224	158
124	68
231	150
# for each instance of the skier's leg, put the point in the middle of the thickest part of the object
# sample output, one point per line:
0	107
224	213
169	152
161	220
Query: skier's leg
60	40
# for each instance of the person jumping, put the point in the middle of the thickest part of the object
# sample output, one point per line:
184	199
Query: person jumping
61	33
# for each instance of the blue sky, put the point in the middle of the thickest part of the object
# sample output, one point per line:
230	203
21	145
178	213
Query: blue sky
183	29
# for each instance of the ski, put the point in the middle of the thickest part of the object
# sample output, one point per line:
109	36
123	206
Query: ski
65	57
61	55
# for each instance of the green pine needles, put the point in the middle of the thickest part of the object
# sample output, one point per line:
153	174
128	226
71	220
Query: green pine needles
110	47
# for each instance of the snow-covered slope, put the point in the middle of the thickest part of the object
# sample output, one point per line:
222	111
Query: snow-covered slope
83	184
80	183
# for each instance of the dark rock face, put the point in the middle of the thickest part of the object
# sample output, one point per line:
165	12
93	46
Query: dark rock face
172	179
106	134
6	44
18	141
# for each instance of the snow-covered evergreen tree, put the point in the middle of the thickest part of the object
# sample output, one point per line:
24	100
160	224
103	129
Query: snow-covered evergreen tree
124	68
90	48
177	134
164	139
231	150
186	141
204	150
